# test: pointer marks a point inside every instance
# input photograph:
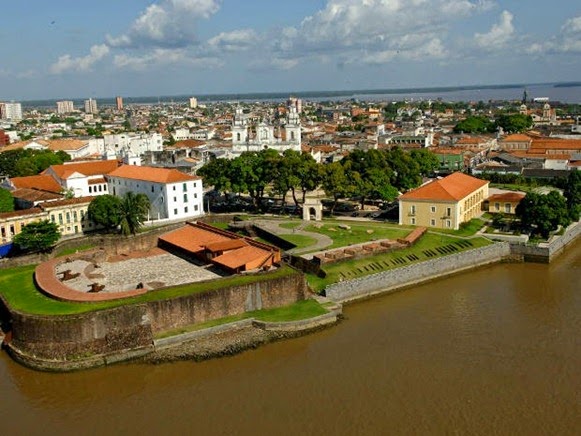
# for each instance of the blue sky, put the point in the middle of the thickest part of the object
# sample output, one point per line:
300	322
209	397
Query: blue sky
71	48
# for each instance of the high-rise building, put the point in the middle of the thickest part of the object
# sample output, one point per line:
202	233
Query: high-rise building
91	106
119	102
11	111
193	102
64	107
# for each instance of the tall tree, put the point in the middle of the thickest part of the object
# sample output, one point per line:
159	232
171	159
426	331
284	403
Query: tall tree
336	183
133	210
105	210
217	173
514	122
572	193
543	213
37	236
427	161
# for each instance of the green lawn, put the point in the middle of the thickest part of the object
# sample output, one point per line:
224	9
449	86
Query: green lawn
297	311
430	246
17	287
301	241
69	251
358	233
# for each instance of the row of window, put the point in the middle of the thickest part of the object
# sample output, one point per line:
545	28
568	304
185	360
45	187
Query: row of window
93	189
432	222
175	211
67	216
432	210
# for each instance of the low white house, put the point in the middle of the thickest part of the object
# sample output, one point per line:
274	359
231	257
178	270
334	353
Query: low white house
83	179
173	195
133	143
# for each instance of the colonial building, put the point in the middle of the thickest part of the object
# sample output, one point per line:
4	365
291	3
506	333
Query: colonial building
70	215
444	203
173	195
83	179
248	136
505	202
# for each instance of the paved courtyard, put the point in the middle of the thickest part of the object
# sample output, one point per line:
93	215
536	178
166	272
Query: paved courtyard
151	272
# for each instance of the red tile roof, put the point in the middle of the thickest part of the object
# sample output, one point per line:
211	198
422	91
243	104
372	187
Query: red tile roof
40	182
507	196
152	174
21	213
238	258
67	202
454	187
93	168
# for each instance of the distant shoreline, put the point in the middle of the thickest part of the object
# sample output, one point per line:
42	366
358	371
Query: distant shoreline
283	95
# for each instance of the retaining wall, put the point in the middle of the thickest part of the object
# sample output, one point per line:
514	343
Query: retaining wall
546	252
66	342
416	273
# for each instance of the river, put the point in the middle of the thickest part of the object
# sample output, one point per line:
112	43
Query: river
494	351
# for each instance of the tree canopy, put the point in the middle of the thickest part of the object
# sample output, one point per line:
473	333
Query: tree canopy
37	236
514	122
133	210
543	214
474	124
105	210
6	201
23	162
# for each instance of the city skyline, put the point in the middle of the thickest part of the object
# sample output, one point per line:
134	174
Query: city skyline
171	47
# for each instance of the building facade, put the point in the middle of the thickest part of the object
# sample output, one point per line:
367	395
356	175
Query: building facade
11	111
172	195
249	136
64	107
444	203
91	106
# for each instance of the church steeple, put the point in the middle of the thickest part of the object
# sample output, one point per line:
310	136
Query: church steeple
524	96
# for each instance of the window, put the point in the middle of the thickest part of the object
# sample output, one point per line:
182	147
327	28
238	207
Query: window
75	216
413	221
52	218
497	206
174	187
175	199
433	222
433	209
68	217
100	188
413	209
507	207
195	195
448	223
186	209
185	186
238	136
185	198
448	211
90	189
196	207
175	211
12	229
152	188
60	218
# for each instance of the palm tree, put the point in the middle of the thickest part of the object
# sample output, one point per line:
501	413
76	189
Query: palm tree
134	208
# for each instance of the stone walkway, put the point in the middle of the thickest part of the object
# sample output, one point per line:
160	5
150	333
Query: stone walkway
152	272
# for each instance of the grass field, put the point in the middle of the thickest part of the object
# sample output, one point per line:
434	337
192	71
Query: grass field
301	241
17	287
430	246
357	233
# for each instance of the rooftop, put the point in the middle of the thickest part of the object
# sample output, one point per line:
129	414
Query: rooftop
454	187
152	174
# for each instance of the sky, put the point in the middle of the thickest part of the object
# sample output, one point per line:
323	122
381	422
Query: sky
79	49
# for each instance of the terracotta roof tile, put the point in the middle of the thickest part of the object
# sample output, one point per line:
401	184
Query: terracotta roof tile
67	202
23	213
41	182
151	174
507	196
93	168
242	256
455	187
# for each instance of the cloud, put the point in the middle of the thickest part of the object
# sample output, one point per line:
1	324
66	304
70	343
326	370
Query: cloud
168	23
237	40
376	31
66	63
499	35
162	56
567	41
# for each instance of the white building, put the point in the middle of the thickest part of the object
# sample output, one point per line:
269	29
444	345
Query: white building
65	107
91	106
247	136
173	195
182	134
132	143
83	179
203	134
193	102
11	111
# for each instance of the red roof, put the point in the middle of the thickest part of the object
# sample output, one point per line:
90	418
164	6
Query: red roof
40	182
507	196
152	174
94	168
454	187
238	258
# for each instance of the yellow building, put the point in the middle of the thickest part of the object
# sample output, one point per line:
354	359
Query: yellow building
11	223
70	215
505	203
444	203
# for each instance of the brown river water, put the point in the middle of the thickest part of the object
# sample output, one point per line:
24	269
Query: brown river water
494	351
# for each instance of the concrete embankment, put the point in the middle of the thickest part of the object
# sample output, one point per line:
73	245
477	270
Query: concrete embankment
395	279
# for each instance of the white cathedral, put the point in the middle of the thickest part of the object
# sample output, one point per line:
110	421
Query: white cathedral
247	136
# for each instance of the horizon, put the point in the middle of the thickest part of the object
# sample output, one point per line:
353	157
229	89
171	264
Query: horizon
209	47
